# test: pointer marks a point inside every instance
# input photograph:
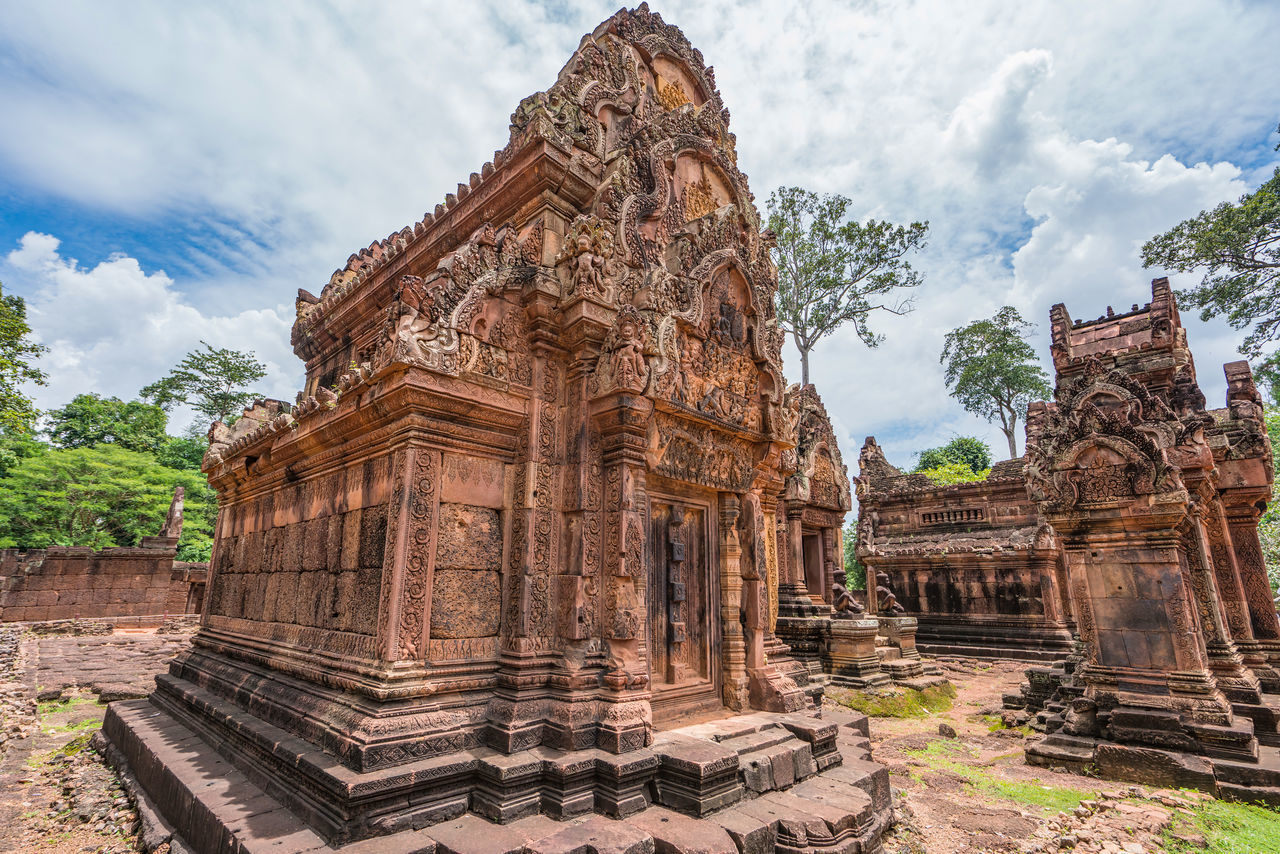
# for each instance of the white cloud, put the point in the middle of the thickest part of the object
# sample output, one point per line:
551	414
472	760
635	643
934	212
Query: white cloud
1044	142
114	328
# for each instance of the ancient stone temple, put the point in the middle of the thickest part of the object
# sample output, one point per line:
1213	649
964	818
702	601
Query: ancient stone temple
1155	502
524	518
973	562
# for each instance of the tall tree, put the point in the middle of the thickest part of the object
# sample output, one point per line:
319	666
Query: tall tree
1237	245
17	351
993	371
962	450
91	419
100	496
832	272
213	381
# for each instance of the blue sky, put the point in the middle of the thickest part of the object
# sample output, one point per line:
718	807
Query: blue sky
171	172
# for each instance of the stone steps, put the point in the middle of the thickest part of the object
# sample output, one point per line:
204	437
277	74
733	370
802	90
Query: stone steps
688	793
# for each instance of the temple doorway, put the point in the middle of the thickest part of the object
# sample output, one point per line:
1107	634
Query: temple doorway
683	602
814	566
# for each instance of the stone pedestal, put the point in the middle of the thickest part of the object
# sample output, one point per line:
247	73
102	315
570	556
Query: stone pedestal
905	666
851	656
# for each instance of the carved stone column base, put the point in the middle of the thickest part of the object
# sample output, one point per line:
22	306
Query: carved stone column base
1270	676
851	657
806	637
1155	766
626	722
794	601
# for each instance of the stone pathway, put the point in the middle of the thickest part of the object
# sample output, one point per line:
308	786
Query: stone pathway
56	794
117	667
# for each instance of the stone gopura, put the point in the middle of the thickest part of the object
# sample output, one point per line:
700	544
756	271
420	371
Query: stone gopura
526	510
1155	501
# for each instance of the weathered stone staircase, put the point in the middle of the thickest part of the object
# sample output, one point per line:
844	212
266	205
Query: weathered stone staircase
750	783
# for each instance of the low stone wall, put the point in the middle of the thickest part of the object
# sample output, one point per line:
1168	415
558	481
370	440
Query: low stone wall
40	585
973	562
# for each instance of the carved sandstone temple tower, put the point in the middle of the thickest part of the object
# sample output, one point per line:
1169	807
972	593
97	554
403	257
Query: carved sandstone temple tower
1155	500
525	511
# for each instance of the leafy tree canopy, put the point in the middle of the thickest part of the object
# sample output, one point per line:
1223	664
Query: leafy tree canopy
91	419
965	450
855	574
1237	245
100	496
993	372
832	272
214	381
949	473
17	351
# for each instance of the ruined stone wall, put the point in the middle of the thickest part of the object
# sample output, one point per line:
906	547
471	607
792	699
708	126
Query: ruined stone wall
66	583
973	562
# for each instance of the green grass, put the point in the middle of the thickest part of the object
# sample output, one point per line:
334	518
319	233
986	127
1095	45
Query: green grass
942	754
87	723
900	703
995	723
52	707
1229	828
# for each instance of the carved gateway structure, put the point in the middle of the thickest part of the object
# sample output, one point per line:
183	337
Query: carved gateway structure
1155	502
526	510
973	562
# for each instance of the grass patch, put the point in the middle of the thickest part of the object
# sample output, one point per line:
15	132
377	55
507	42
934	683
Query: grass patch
52	707
900	703
995	723
87	723
1228	827
942	755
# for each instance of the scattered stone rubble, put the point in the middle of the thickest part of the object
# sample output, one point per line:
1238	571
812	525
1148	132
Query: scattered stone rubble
1119	821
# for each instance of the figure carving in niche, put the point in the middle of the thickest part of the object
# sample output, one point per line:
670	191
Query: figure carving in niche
699	200
629	371
689	382
588	247
887	602
671	95
415	326
713	402
729	327
846	607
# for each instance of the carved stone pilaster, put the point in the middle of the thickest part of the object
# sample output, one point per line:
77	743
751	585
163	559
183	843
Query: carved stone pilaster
409	562
733	655
622	419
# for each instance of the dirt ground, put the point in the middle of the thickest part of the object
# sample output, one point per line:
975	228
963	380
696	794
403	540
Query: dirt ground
56	795
971	792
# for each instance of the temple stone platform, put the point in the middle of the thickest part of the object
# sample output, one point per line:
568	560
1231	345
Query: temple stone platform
748	783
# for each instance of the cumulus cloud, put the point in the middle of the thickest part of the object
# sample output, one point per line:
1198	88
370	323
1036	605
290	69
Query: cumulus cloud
1044	143
114	328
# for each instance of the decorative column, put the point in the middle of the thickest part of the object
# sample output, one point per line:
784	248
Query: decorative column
770	690
622	417
793	593
733	653
404	617
1246	548
1224	659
